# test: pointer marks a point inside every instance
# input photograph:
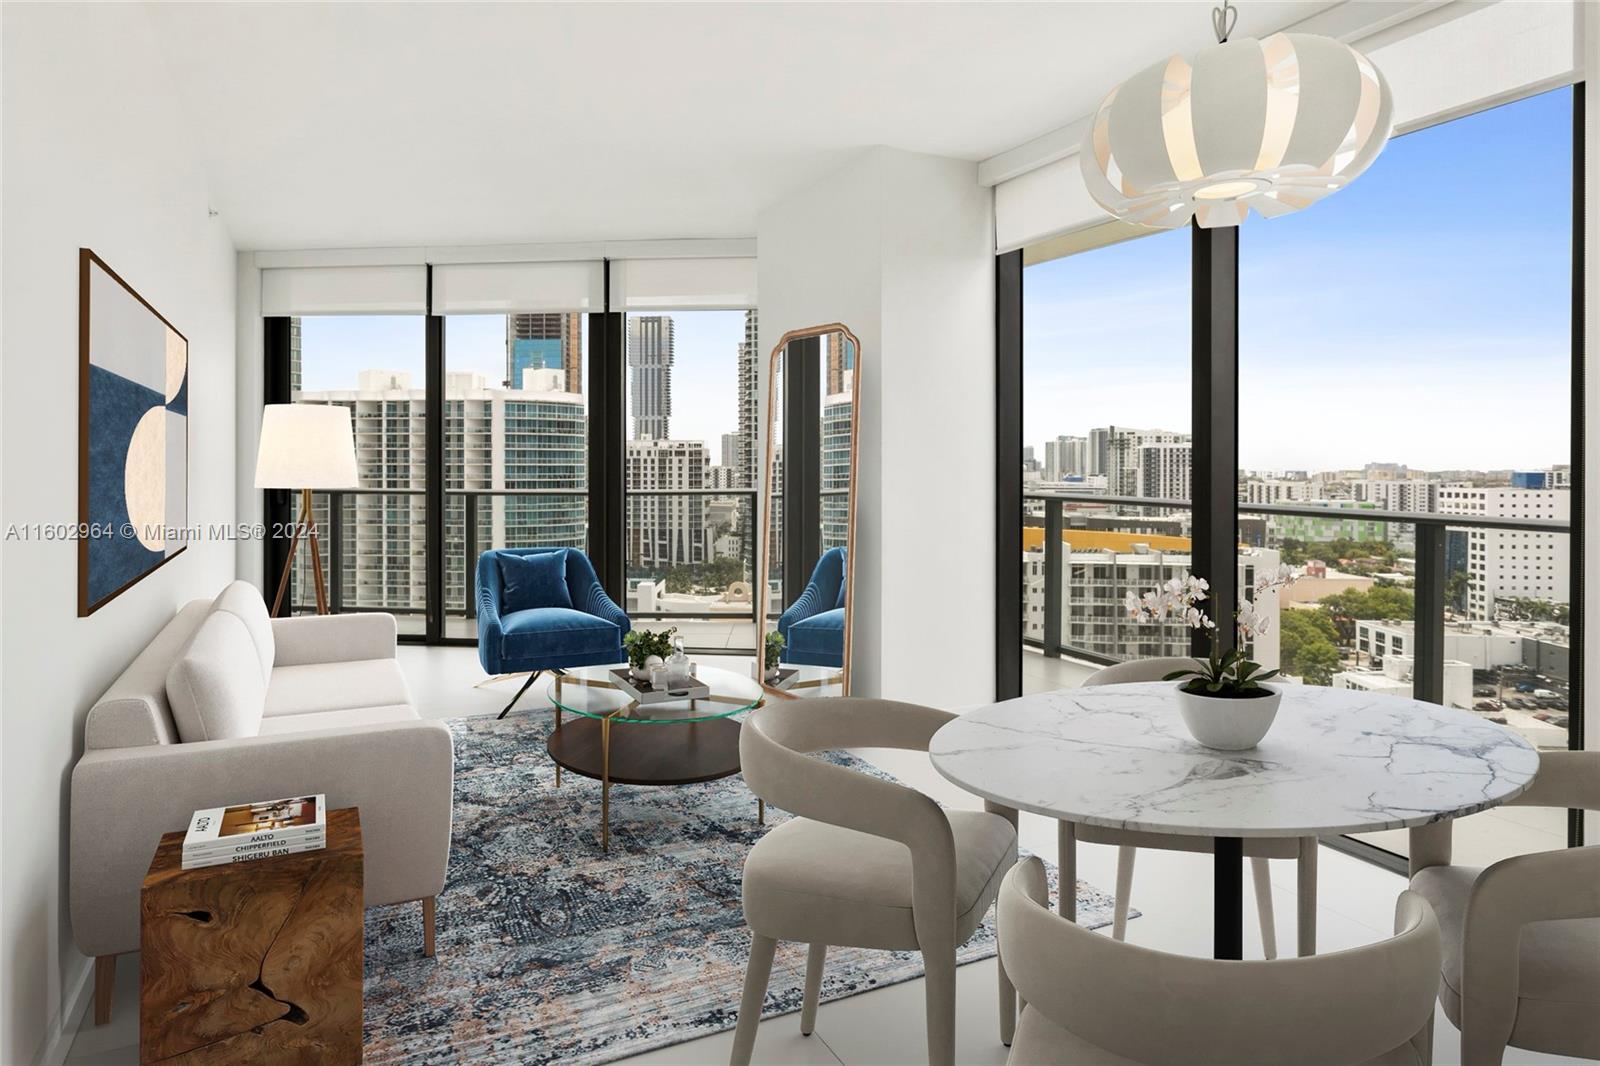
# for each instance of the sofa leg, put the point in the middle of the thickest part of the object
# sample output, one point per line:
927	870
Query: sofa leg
427	925
532	677
105	980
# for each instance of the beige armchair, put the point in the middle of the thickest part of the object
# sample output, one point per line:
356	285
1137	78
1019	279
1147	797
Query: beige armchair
1091	1001
1257	849
866	863
1521	963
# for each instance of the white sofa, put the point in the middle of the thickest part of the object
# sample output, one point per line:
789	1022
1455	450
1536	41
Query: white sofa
227	705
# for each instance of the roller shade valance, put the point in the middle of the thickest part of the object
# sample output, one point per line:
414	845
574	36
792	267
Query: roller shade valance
682	284
505	288
352	290
1474	57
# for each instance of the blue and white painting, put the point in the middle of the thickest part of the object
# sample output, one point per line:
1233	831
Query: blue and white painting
134	467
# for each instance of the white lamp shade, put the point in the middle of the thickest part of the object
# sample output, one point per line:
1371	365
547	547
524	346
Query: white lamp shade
1274	125
306	446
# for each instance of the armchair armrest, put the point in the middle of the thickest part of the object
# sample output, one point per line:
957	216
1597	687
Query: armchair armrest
1565	779
593	600
1545	886
333	638
810	603
124	799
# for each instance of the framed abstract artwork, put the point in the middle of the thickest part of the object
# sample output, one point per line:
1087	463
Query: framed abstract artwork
133	436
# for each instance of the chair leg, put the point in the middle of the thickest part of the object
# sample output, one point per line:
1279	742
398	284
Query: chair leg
815	958
940	967
105	981
532	677
427	925
1306	903
1119	915
756	975
1008	1001
1262	876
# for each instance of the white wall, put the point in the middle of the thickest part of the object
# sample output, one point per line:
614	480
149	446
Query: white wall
96	155
899	247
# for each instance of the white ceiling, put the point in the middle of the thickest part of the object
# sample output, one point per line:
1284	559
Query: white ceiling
350	125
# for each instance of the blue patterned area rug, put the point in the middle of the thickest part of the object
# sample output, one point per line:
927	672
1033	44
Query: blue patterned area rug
550	950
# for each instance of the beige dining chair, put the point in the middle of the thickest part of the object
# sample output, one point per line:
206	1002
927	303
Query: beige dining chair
1091	1001
866	862
1257	849
1521	963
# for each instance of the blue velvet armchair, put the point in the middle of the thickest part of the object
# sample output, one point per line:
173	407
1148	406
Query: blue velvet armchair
813	626
589	633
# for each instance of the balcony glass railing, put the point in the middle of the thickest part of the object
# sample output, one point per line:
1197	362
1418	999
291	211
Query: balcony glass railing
1393	607
691	563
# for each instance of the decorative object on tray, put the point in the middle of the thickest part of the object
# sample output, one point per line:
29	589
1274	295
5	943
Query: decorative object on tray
247	831
771	651
670	688
1223	701
133	436
647	648
261	965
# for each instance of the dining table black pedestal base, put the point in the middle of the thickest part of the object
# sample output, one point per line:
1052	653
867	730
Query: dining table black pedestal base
1227	920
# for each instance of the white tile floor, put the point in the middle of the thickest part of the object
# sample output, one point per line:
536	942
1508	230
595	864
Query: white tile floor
1356	906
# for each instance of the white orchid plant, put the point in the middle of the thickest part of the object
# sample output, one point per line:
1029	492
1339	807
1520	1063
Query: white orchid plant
1225	674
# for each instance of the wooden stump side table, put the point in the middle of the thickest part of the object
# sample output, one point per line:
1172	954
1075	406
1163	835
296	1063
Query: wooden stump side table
256	961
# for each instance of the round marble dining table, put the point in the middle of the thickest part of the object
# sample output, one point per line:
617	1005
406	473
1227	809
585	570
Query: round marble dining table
1335	761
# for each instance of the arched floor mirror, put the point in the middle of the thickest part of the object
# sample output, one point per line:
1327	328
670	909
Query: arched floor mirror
809	512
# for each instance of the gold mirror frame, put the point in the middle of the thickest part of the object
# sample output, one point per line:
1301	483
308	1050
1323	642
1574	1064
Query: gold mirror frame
766	623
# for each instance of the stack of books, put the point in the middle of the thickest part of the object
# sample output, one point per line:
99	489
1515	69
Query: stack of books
247	831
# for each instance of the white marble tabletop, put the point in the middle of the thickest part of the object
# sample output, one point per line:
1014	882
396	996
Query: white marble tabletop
1336	761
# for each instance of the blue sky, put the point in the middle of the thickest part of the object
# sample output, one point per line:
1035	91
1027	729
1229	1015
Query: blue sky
334	349
1421	315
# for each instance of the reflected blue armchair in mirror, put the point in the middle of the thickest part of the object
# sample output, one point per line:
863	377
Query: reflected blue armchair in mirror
813	626
543	609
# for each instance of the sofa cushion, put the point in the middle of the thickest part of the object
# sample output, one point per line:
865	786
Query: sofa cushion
533	581
341	719
556	634
134	711
335	687
215	686
243	601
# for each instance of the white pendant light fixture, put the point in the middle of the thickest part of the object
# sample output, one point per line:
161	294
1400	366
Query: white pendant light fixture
1274	125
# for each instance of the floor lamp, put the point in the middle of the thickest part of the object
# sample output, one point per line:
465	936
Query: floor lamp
308	447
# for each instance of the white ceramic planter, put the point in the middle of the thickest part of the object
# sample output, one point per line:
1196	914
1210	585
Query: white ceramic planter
642	673
1229	724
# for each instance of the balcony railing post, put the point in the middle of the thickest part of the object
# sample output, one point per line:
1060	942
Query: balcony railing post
335	548
1427	665
469	575
1052	578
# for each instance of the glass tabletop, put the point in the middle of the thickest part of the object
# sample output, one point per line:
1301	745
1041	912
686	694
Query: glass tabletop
597	692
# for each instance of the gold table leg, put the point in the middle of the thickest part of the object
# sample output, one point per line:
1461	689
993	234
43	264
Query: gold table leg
605	784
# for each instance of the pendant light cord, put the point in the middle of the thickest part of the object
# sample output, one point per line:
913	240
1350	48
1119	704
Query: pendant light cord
1223	19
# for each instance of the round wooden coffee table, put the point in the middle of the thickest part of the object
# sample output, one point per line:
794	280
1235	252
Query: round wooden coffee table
674	742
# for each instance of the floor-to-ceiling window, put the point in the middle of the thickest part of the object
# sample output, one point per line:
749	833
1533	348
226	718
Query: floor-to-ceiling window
516	443
374	549
1406	384
691	461
1406	347
1105	419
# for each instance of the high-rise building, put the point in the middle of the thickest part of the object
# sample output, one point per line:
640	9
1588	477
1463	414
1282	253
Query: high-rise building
1164	470
294	356
664	530
1123	461
841	364
1066	457
650	352
837	412
545	341
1512	564
729	455
1099	451
532	438
744	461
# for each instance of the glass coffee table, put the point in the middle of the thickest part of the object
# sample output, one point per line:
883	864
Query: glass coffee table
674	742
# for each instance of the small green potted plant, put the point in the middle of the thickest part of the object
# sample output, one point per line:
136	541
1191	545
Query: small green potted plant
772	649
647	648
1221	698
